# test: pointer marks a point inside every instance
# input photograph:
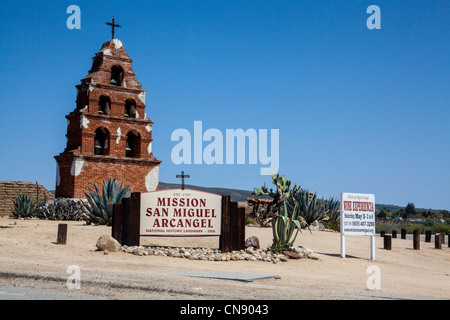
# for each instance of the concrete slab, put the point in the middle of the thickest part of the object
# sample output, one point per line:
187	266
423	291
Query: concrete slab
244	277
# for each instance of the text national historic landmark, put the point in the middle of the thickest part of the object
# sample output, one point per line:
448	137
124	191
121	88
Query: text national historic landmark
109	133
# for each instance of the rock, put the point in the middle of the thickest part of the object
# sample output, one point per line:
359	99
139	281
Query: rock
106	242
292	255
314	256
249	250
252	242
303	250
317	226
283	258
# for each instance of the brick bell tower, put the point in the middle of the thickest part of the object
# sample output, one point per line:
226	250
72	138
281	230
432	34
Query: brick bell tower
109	133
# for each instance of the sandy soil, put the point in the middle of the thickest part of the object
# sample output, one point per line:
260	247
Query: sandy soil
30	257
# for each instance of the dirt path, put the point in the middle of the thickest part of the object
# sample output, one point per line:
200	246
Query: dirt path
29	257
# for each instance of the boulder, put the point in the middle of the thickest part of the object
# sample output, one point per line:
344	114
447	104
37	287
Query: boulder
316	225
313	255
292	255
252	242
106	242
303	250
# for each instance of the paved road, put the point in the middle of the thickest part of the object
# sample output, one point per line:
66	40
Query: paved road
22	293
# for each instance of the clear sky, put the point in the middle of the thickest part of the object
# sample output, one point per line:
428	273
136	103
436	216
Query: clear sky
358	110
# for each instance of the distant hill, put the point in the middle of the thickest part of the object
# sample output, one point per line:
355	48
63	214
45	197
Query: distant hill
236	195
242	195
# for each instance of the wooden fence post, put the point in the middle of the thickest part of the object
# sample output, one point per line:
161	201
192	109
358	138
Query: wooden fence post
403	231
416	239
394	233
387	242
437	241
62	233
427	236
225	233
382	233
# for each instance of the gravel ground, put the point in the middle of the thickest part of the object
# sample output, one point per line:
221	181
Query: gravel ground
30	258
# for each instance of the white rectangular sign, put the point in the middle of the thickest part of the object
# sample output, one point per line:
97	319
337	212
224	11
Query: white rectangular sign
357	214
180	213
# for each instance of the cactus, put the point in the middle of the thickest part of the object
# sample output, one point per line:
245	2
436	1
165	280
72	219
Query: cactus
24	207
62	209
100	207
282	192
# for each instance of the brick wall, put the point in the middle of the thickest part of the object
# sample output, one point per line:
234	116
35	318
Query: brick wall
9	190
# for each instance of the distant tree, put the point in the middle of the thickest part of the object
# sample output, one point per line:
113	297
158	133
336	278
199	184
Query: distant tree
445	213
410	209
382	214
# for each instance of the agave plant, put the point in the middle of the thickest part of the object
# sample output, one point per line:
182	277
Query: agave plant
309	206
100	208
332	209
24	207
285	227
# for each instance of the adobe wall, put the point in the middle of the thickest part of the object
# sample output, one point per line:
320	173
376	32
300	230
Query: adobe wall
9	190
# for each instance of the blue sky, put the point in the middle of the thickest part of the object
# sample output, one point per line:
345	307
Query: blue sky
358	110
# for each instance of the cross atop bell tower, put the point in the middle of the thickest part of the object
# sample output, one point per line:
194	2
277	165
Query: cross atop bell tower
113	26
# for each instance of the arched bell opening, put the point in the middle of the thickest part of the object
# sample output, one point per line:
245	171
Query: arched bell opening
133	145
101	142
116	76
130	108
104	105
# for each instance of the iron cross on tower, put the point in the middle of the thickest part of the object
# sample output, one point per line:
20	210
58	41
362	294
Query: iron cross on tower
182	176
114	26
